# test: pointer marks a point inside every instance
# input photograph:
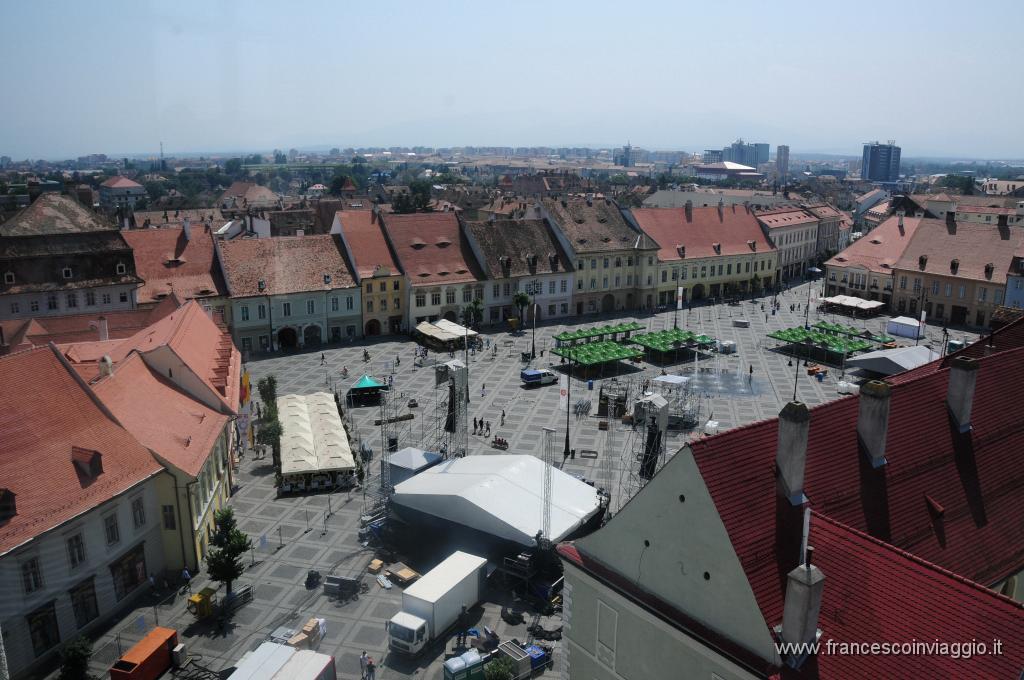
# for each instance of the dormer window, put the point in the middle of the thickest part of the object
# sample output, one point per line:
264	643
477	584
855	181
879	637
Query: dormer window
8	277
261	284
989	268
954	266
66	272
88	462
922	262
8	508
122	268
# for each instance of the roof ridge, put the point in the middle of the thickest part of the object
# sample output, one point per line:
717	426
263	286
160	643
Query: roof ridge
919	560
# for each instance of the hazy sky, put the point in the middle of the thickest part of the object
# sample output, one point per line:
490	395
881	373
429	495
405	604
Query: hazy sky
941	78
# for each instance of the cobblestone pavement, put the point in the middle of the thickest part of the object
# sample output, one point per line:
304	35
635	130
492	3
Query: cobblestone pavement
320	531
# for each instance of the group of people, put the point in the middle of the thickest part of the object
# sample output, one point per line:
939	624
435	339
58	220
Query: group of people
484	427
367	667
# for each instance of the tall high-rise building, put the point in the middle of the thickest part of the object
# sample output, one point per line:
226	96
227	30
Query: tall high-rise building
746	154
782	160
881	162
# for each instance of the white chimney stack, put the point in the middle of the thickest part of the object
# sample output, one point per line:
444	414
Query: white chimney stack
963	374
805	586
791	452
103	328
873	420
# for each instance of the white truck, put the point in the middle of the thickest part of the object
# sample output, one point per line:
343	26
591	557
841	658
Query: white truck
432	605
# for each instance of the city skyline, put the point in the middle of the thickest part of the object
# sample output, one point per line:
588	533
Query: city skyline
210	77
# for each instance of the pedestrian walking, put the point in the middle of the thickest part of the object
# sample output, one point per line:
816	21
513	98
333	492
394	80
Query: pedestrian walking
474	425
187	577
371	669
503	417
488	428
363	660
323	359
751	374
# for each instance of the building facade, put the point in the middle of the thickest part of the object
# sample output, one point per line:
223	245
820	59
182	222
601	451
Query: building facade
522	256
80	512
956	272
880	162
794	233
829	223
443	274
716	253
615	264
384	286
782	161
58	258
864	268
120	192
289	292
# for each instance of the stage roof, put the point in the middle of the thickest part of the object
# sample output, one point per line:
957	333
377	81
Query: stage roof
500	495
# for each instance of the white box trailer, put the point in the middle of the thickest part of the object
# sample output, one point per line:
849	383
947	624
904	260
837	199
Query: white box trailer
262	663
434	603
306	664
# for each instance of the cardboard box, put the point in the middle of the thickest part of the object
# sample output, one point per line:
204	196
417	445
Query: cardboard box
375	566
299	641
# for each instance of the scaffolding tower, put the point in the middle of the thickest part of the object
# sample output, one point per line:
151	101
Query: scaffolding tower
644	450
395	432
448	432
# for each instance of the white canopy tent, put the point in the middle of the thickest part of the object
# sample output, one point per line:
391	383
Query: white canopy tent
853	303
435	332
454	328
905	327
313	440
892	361
499	495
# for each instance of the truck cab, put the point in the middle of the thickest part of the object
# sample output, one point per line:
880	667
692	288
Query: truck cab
533	377
407	634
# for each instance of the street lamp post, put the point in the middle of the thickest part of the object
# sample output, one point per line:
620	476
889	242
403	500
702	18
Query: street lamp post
533	348
568	405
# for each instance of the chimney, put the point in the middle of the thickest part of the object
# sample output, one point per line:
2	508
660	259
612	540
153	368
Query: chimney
804	588
106	365
103	328
689	211
963	374
791	452
873	420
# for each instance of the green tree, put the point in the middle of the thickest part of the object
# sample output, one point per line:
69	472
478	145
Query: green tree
74	659
255	159
224	561
473	312
280	158
403	204
500	668
233	166
420	191
267	387
522	301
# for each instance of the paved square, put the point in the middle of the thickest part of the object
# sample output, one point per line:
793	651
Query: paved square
285	551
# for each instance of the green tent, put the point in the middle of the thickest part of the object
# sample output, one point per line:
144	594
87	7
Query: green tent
367	382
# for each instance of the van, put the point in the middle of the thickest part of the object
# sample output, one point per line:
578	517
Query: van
537	376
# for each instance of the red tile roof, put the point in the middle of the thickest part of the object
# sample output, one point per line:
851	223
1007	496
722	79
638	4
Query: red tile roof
366	241
198	341
169	422
21	334
975	478
516	240
985	210
733	230
167	262
432	248
120	182
972	244
39	427
897	567
52	214
286	264
781	218
594	225
879	249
